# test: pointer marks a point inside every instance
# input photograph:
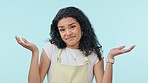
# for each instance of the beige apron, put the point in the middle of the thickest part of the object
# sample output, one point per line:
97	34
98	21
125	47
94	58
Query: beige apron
70	74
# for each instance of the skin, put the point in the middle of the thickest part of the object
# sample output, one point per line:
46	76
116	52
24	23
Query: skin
71	33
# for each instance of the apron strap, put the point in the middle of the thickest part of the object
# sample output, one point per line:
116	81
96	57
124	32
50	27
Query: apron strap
85	60
58	58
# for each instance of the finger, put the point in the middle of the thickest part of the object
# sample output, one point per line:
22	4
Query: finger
18	39
121	47
25	40
131	47
128	50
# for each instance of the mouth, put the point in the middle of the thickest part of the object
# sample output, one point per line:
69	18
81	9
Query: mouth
70	38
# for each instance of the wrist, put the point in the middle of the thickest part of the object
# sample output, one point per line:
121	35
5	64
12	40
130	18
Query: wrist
35	52
110	56
110	60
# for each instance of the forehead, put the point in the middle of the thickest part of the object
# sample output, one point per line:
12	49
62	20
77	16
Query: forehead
66	21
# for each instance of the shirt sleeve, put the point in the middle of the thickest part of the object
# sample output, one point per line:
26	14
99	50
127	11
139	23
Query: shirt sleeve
48	48
97	59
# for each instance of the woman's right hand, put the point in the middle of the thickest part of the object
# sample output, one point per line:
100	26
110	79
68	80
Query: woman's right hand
28	45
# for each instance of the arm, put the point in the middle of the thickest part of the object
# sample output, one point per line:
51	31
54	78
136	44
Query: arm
44	65
107	77
99	71
37	71
100	75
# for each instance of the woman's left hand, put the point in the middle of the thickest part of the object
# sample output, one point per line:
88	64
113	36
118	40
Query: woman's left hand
120	50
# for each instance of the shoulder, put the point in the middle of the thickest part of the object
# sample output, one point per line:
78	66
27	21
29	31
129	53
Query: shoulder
93	58
50	49
49	44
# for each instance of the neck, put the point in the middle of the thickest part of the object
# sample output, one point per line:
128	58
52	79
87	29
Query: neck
72	47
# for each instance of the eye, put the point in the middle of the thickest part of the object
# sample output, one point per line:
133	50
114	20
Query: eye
61	30
73	26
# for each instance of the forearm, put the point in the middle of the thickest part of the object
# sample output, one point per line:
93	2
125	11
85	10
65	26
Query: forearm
34	76
107	78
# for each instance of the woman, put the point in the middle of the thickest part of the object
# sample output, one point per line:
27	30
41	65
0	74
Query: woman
73	54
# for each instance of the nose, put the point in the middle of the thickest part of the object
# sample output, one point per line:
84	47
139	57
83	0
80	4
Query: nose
68	32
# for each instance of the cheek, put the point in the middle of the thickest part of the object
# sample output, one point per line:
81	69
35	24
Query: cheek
79	35
62	36
79	32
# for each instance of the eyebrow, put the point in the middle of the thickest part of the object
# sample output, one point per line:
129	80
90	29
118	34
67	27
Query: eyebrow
68	25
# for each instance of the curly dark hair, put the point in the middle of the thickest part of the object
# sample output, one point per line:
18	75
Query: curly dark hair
88	42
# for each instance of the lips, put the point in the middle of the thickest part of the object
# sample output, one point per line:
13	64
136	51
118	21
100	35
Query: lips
69	38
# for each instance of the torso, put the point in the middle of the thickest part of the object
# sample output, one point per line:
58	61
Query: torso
72	57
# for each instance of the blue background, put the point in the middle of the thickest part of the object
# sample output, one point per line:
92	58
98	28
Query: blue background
116	23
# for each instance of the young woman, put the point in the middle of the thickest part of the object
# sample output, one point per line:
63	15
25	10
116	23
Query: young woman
73	54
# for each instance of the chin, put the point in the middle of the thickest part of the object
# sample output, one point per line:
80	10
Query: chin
71	44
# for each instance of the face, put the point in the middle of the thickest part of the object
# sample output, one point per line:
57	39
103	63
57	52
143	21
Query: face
70	31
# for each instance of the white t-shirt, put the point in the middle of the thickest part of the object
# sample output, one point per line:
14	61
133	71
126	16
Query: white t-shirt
71	57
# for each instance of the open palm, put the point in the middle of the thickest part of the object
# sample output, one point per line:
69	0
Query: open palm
120	50
30	46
